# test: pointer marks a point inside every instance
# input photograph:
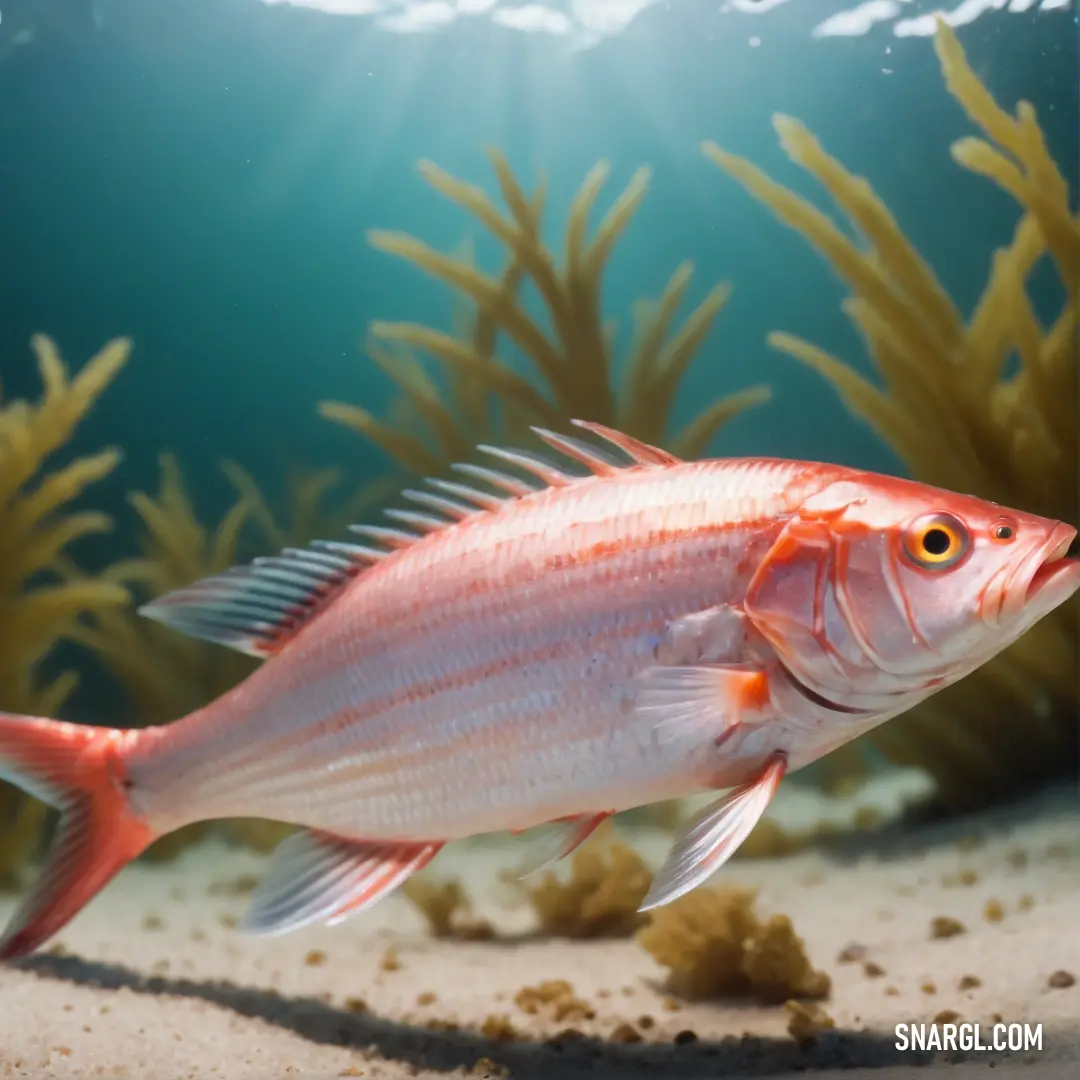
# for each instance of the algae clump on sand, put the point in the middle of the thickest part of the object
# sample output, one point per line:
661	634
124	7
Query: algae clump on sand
714	944
39	606
987	406
599	898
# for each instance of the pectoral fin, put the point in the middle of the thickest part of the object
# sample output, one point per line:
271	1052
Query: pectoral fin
713	837
317	877
706	701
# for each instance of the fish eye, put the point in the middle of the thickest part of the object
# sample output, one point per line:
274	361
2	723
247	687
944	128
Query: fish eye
936	541
1003	530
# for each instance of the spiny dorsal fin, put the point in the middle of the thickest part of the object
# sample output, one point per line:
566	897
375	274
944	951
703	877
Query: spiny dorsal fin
461	501
256	608
641	453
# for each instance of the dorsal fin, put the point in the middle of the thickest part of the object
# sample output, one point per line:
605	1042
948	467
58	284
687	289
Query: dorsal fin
594	459
256	608
390	538
641	453
420	522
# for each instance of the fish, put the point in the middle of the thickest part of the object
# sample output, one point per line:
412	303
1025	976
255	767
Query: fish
544	640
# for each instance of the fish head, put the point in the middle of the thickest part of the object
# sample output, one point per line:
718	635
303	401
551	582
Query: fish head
880	591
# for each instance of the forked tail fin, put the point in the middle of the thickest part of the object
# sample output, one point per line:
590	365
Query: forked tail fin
80	771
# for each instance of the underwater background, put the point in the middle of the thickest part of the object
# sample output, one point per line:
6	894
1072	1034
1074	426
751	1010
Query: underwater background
203	179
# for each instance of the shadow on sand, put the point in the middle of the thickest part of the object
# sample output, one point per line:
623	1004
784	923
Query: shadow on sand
565	1056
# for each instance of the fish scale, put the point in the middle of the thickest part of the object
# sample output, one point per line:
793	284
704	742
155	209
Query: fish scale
482	635
550	654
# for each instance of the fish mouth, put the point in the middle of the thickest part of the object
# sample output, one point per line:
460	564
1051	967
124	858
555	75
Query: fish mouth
1060	566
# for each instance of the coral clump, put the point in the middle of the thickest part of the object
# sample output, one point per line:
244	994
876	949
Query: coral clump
987	405
601	897
716	945
574	361
776	964
38	607
447	908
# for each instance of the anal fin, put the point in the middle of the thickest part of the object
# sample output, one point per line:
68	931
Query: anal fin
317	877
714	836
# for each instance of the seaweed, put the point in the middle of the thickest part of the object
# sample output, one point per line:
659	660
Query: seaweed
486	396
986	405
22	821
38	608
165	674
715	945
600	898
304	514
446	907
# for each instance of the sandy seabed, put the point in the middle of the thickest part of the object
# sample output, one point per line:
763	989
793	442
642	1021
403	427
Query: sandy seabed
153	982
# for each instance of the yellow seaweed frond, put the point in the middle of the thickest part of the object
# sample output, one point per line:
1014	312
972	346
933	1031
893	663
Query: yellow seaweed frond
305	514
37	607
447	908
959	411
167	674
22	821
573	371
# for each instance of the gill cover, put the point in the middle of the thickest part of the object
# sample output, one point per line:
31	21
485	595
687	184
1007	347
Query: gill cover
825	596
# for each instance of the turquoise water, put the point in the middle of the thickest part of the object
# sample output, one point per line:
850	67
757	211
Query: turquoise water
201	176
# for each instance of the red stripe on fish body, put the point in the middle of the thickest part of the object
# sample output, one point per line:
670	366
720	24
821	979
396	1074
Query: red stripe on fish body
480	678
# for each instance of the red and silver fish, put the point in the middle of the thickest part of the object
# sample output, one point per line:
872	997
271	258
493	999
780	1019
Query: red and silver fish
570	647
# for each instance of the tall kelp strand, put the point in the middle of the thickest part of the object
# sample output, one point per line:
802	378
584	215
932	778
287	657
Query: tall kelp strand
960	413
164	674
571	353
38	605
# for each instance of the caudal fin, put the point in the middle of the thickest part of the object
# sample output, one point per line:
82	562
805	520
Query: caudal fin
80	771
